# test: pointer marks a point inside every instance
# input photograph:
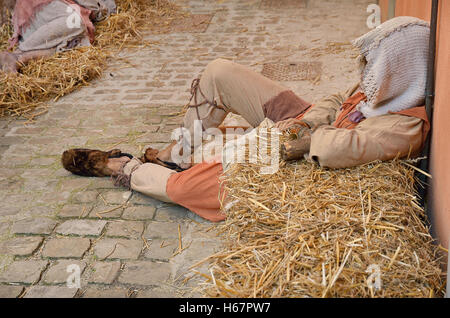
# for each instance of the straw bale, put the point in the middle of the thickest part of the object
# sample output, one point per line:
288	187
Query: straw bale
25	94
307	231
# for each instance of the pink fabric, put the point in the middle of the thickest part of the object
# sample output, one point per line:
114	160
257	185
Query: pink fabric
85	16
25	10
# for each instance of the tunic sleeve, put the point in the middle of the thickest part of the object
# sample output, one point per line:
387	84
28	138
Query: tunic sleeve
377	138
325	111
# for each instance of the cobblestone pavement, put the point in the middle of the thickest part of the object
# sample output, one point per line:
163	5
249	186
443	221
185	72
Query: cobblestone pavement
125	244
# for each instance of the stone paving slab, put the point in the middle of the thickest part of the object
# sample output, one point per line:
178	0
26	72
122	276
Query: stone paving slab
85	197
40	226
50	292
104	272
284	4
171	213
67	247
20	246
9	210
135	105
145	273
139	213
105	293
139	199
161	249
59	271
102	211
81	227
164	230
116	197
23	272
7	291
75	211
120	228
157	293
111	248
4	228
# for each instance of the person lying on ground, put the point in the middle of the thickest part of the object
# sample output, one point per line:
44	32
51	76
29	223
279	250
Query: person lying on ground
380	118
44	27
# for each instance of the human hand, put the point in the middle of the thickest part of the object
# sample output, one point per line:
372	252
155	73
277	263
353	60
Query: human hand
297	148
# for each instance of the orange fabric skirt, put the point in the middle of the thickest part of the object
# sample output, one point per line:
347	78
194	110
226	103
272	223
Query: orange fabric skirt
199	189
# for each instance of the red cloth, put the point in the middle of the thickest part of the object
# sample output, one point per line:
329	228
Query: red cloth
421	113
350	104
25	11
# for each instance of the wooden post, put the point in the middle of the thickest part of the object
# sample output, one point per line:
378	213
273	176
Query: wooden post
391	9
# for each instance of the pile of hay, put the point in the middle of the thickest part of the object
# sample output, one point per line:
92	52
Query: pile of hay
312	232
24	94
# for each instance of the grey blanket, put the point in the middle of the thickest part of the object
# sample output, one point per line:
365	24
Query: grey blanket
57	25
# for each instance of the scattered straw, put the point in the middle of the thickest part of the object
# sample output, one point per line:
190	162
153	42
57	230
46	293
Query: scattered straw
42	80
306	231
180	242
25	94
113	250
146	246
112	209
82	212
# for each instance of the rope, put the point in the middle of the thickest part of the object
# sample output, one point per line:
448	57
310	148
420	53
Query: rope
195	88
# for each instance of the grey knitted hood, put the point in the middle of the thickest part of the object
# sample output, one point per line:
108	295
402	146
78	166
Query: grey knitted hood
394	78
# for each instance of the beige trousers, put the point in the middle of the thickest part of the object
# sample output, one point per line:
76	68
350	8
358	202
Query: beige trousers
149	179
237	89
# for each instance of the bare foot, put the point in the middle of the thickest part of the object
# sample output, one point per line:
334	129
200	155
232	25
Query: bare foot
166	155
8	62
116	164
